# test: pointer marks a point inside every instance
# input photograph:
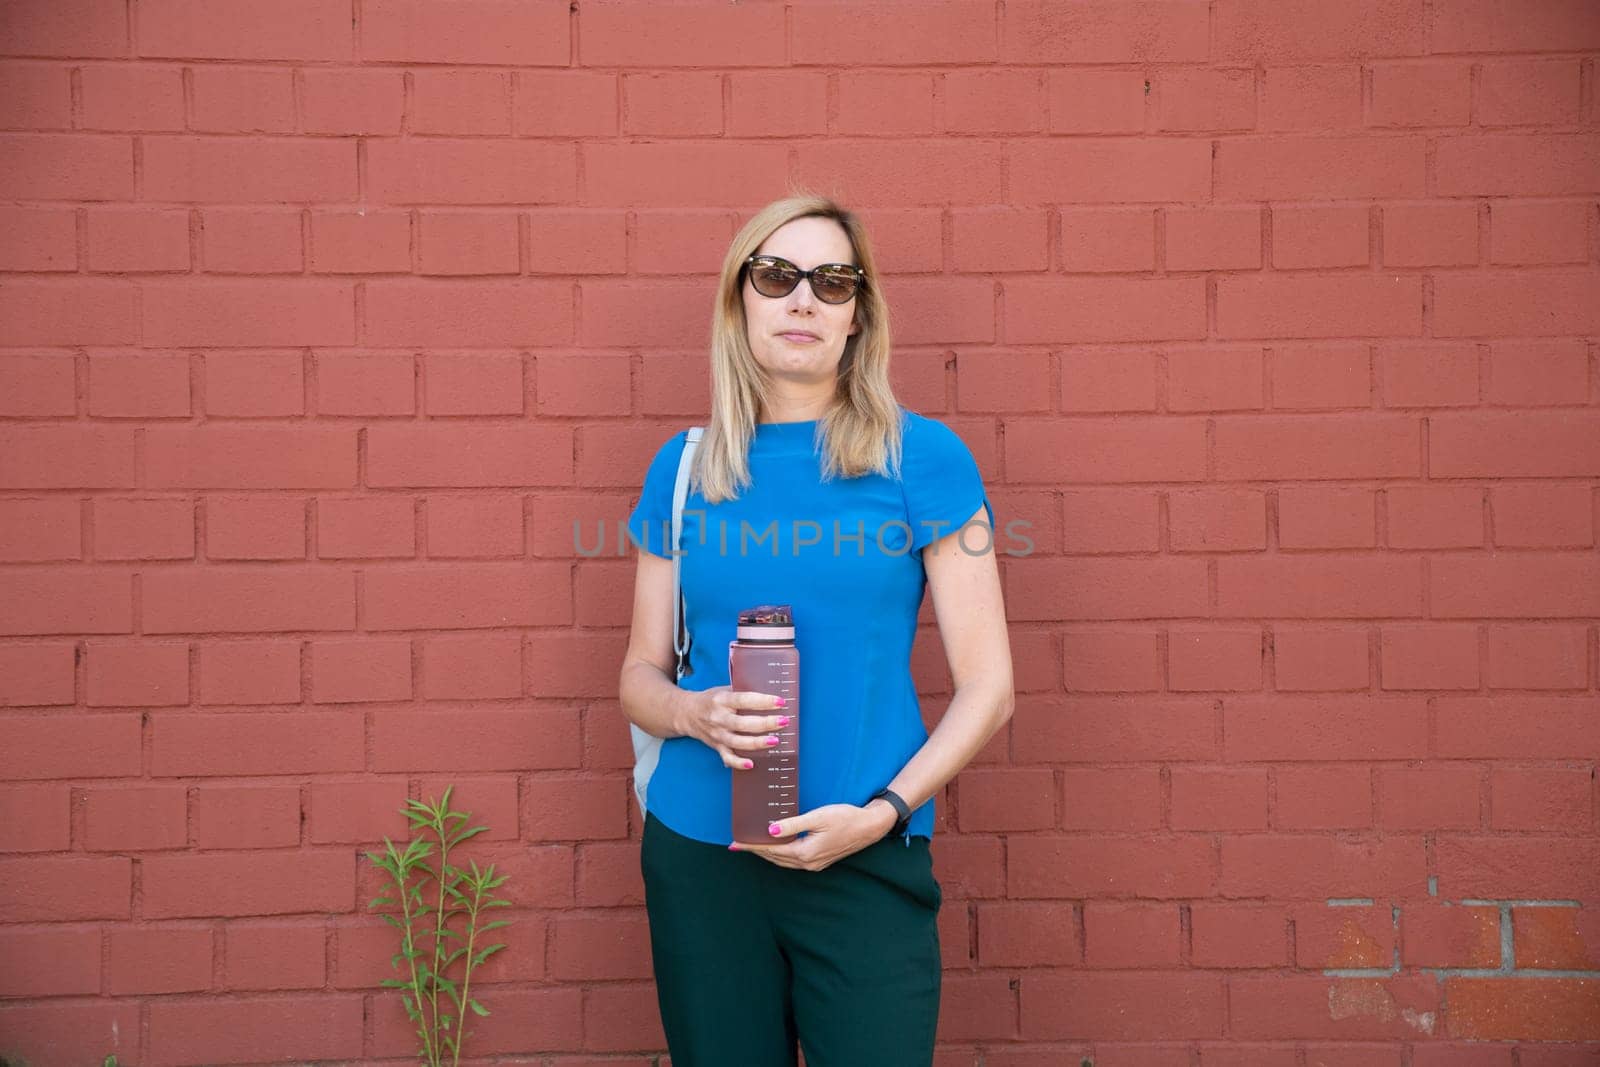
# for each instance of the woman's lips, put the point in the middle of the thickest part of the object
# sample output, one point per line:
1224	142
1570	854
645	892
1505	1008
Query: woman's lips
799	338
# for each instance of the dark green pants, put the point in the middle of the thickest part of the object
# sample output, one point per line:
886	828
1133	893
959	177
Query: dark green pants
751	957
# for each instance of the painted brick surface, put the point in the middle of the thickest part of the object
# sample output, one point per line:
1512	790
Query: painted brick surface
322	322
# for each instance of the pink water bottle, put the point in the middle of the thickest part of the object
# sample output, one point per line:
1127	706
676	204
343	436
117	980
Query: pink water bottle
762	658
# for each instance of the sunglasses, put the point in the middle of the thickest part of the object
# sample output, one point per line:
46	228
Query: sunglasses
831	283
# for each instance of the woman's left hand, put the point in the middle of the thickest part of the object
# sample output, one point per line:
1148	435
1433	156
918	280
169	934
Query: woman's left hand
832	831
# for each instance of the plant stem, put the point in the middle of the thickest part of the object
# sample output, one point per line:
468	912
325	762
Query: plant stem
466	979
444	872
411	959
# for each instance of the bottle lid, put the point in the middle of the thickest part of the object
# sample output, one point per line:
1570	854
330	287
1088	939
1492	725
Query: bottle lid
768	622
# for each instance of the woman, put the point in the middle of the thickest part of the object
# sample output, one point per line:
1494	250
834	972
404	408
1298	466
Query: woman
812	487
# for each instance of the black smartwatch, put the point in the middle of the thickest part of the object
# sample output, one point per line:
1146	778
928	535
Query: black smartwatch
900	808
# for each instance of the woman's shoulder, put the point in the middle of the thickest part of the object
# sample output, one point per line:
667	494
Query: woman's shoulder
928	435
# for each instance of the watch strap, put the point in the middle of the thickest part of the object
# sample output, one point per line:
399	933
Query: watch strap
902	810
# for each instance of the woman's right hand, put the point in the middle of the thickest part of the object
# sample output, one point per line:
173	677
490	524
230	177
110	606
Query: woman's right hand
713	717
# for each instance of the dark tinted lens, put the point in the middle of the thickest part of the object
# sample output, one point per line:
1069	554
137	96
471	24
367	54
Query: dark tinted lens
773	279
834	285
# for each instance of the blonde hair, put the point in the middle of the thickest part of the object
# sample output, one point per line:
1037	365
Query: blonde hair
861	431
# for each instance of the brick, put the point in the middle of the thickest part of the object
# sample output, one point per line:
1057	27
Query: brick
1535	373
37	675
1130	935
1275	1007
1320	235
476	740
1322	96
273	955
477	526
1556	938
1214	660
1219	798
1300	305
246	816
1516	727
1536	657
247	884
1432	93
140	386
352	101
237	241
1549	1009
1214	379
672	104
119	818
1038	31
1326	517
993	101
462	102
587	384
777	103
1107	730
1440	936
1325	728
1110	661
38	385
948	31
376	242
475	313
468	456
1312	167
999	239
1541	516
59	963
250	457
1109	171
250	672
571	665
40	530
490	799
1107	239
1519	165
360	671
1514	584
250	743
358	812
35	818
501	34
1428	657
1478	25
472	667
1434	516
257	527
258	384
467	243
1535	233
563	808
1096	1006
600	946
1327	797
1046	311
243	600
1026	934
1519	92
1238	935
65	457
1007	799
161	958
1503	867
65	889
1311	866
1216	520
1111	798
1430	235
1563	305
205	1030
467	596
252	312
143	529
1110	866
1205	101
565	103
1219	238
1540	798
374	527
1428	375
59	600
138	239
1308	377
34	747
128	96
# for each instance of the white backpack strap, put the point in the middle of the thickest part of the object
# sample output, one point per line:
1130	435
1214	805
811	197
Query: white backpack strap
680	493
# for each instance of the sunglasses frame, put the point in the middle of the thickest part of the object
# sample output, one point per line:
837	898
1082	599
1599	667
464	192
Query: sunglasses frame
806	276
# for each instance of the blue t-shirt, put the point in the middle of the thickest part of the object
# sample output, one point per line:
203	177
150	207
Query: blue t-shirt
846	555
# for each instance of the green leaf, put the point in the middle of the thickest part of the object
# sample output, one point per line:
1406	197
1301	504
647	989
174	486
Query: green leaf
485	954
478	1008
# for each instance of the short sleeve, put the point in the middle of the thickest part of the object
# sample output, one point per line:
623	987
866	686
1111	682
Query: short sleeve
942	483
650	524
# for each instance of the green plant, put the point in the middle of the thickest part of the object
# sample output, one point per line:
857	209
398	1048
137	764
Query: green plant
427	929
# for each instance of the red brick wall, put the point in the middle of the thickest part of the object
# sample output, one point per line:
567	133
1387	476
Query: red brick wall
322	321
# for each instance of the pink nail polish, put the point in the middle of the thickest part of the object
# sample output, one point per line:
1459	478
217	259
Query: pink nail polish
783	720
771	741
774	829
749	765
733	848
782	703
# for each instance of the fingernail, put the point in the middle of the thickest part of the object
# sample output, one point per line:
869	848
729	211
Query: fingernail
749	764
733	848
771	741
774	829
782	703
783	720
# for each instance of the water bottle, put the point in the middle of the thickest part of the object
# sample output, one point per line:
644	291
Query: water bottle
762	658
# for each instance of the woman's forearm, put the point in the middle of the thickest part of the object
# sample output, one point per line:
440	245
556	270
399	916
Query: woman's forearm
976	711
650	700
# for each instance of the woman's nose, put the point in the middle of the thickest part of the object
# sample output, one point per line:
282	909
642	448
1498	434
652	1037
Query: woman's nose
802	298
